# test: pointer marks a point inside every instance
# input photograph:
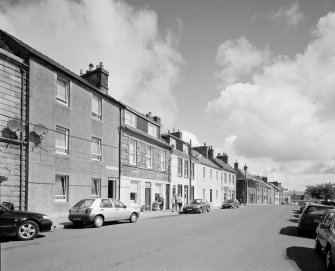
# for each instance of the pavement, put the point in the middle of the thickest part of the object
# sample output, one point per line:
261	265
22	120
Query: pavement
63	222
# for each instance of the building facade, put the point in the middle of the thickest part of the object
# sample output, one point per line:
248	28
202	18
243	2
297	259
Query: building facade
145	161
14	109
72	134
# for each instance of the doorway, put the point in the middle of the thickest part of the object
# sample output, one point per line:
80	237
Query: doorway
167	196
111	193
148	196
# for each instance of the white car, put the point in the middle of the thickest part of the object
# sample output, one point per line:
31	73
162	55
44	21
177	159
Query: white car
99	210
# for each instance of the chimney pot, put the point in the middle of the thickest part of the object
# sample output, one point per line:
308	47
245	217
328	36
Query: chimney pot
101	64
81	72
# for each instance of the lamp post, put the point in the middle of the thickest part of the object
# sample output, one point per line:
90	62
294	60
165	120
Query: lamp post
245	185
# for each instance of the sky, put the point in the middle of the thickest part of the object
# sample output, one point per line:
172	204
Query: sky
252	78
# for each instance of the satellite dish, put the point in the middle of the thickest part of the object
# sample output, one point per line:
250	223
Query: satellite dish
15	125
40	129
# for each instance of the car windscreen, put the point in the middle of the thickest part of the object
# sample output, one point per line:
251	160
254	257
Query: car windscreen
196	201
316	210
84	203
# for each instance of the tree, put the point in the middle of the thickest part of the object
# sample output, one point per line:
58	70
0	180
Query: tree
324	191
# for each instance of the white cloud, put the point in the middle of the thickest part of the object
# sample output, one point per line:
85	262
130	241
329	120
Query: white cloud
187	136
285	113
144	65
238	58
290	16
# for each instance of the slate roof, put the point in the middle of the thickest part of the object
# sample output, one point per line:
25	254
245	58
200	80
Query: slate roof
204	161
30	52
224	165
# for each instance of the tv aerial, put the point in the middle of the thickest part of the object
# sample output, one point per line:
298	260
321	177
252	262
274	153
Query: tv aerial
13	126
36	136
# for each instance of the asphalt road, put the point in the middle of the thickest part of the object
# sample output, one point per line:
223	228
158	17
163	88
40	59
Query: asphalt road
249	238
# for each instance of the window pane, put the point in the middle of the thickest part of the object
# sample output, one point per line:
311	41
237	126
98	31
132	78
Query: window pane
61	188
96	148
61	140
132	152
96	107
95	188
62	91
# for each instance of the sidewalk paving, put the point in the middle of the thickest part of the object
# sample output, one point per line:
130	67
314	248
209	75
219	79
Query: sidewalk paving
63	222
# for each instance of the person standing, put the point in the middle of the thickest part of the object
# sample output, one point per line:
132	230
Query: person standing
173	201
179	202
161	201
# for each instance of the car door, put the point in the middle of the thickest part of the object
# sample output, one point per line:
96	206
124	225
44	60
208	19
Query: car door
120	210
107	209
324	233
7	221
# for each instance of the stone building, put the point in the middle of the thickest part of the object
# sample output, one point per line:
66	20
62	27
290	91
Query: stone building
69	146
14	106
145	160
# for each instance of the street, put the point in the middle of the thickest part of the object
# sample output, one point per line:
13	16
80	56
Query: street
249	238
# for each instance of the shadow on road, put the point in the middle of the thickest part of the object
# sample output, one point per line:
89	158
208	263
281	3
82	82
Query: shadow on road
293	231
6	239
297	216
293	220
69	225
306	258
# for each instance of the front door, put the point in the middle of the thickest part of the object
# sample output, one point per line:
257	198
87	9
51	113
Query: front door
111	189
148	196
167	196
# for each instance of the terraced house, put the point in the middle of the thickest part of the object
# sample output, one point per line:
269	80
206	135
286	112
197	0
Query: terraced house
145	160
183	167
60	132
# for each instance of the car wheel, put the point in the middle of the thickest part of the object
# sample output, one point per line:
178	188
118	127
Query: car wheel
77	224
98	221
133	218
208	209
27	230
329	261
317	246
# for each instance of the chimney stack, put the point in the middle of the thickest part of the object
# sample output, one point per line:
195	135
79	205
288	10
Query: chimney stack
223	157
236	165
97	77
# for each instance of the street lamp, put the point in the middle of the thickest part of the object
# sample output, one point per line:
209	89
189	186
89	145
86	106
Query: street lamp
245	185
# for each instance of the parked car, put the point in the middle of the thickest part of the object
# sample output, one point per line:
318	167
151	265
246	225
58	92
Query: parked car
197	206
99	210
310	217
230	204
325	238
23	224
302	207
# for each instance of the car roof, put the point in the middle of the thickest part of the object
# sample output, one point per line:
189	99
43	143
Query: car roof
320	205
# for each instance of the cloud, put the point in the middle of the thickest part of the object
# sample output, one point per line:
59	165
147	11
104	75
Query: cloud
237	59
144	64
187	136
290	16
286	111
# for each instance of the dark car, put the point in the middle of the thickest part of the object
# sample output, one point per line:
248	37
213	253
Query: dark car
310	217
230	204
23	224
197	206
325	238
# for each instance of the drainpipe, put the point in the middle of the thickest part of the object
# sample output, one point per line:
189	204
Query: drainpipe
120	123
